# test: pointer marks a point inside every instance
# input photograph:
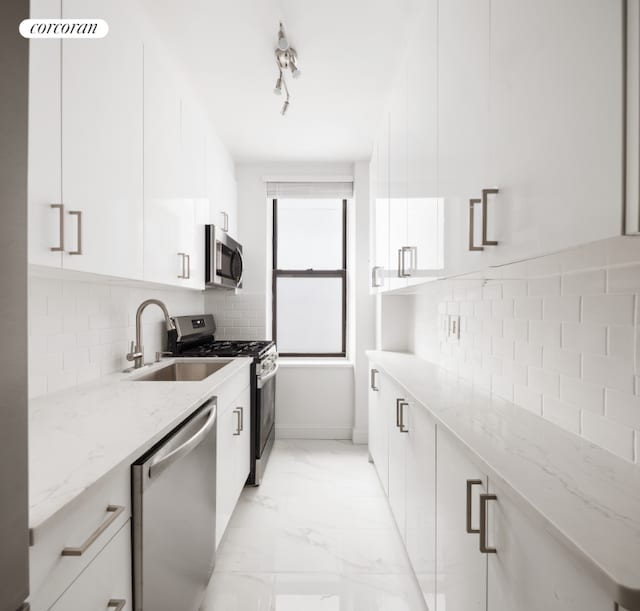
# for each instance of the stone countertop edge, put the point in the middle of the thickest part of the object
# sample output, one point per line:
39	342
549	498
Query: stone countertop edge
586	498
80	435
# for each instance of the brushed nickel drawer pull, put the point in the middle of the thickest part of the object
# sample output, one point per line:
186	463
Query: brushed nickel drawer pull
78	214
183	275
60	246
241	418
472	246
484	499
239	422
115	511
485	215
188	258
117	604
375	275
398	401
470	484
374	386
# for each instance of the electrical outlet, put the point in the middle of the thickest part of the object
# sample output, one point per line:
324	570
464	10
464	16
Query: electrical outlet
454	327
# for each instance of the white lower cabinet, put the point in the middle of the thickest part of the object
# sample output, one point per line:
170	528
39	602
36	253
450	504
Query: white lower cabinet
233	455
439	492
531	570
421	498
106	583
462	569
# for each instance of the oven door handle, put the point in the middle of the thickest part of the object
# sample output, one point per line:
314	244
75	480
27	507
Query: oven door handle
262	380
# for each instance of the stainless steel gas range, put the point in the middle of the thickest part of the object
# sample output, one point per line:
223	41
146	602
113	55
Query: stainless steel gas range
195	336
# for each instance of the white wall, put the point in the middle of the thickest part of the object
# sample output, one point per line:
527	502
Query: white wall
558	335
312	401
81	326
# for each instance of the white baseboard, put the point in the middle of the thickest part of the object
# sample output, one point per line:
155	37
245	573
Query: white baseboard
311	432
360	436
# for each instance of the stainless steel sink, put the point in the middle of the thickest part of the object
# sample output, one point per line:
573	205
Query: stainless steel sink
183	371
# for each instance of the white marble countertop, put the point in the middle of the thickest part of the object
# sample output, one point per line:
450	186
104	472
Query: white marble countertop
589	497
79	435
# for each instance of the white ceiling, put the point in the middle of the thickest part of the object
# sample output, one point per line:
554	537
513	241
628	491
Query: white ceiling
348	52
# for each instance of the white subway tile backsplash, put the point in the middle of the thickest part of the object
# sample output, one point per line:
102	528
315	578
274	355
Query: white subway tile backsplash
560	337
623	279
528	308
584	338
608	434
608	371
623	408
562	361
530	399
608	309
563	414
621	342
582	394
565	309
584	283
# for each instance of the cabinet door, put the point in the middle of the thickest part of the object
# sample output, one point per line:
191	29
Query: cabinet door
399	259
462	569
378	427
531	570
102	144
421	499
164	208
392	397
45	176
107	579
425	223
556	124
463	123
381	206
243	441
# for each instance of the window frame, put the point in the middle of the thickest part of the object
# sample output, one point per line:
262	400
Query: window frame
283	273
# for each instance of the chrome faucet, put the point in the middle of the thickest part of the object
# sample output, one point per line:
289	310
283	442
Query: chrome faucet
137	350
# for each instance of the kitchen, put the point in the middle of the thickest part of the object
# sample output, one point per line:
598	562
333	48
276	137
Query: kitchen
320	306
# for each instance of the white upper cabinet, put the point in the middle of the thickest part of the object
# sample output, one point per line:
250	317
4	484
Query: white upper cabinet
221	185
45	179
380	249
556	124
102	132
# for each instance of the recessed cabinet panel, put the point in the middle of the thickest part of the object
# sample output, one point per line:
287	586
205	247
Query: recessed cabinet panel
556	124
421	499
102	133
462	569
45	180
531	570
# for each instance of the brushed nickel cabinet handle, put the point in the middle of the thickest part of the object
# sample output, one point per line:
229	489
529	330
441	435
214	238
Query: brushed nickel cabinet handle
236	411
225	221
402	427
398	401
400	264
375	283
485	215
60	246
484	499
241	418
374	373
188	258
470	484
117	604
413	253
78	214
472	246
114	511
183	275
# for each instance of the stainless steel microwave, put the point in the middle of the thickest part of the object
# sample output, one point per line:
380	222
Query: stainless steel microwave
224	265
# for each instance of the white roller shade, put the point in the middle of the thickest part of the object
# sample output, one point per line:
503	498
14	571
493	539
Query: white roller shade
312	190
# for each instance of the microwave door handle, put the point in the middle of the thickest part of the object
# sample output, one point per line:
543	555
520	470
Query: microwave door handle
241	263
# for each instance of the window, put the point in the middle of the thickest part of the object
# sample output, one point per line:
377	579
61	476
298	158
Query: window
310	276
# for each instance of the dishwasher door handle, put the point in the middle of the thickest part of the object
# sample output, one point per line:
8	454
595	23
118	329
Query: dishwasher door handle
159	465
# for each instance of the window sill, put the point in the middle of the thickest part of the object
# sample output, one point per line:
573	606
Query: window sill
294	361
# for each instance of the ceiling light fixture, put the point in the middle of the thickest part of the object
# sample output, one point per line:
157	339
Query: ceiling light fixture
286	59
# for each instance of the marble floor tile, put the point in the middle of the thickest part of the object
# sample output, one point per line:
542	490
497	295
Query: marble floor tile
317	535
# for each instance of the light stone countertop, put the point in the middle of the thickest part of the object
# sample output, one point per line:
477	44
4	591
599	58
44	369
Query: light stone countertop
80	435
585	496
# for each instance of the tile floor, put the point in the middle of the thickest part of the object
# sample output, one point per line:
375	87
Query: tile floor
317	535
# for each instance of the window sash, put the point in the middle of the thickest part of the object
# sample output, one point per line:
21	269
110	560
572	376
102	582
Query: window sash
284	273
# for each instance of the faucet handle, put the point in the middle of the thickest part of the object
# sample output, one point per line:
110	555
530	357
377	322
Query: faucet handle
135	352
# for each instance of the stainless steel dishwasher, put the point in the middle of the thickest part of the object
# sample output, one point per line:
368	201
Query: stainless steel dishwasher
174	505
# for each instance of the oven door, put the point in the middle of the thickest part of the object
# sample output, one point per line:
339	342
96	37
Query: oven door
266	412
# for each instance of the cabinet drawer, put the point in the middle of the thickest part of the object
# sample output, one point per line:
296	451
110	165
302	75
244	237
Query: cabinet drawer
63	547
232	389
106	583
